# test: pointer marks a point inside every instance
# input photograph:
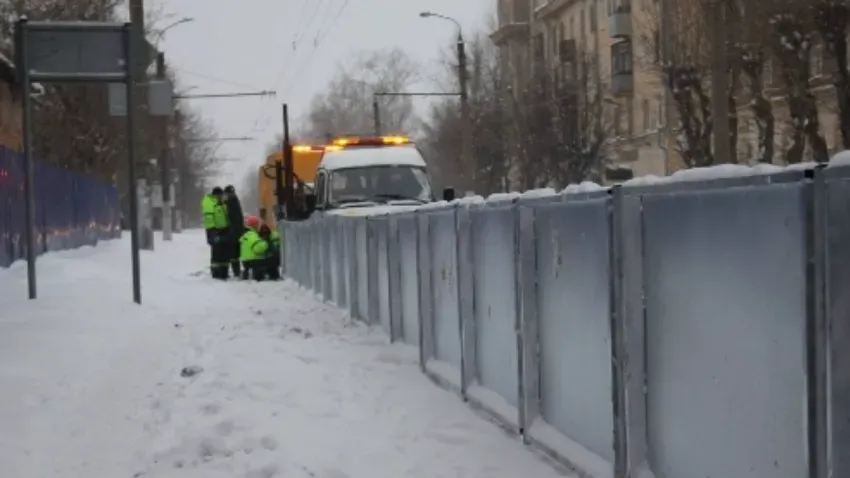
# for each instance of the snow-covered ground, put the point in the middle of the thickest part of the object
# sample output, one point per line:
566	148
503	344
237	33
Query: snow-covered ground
91	385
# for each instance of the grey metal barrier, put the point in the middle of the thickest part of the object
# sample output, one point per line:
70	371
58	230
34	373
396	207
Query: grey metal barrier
693	328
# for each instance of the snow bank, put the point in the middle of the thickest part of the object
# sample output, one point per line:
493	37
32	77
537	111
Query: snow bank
714	172
583	187
539	193
842	158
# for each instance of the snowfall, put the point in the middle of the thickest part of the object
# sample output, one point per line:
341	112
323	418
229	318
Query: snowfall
210	379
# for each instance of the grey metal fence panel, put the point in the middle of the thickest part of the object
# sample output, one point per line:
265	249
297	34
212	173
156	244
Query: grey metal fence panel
383	273
574	320
447	339
362	269
426	294
466	304
373	314
838	313
725	305
495	292
315	257
352	274
629	335
528	311
394	277
327	264
408	242
341	263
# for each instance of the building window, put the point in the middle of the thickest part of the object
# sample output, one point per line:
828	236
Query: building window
582	27
621	58
591	13
767	72
539	47
816	60
645	112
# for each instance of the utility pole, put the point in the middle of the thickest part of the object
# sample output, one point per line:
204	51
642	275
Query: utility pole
182	173
466	127
376	113
164	157
137	19
288	165
719	83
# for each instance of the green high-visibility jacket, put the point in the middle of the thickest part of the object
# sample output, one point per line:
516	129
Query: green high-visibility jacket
252	247
274	242
214	211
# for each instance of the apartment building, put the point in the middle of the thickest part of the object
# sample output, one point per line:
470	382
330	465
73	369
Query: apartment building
10	106
618	38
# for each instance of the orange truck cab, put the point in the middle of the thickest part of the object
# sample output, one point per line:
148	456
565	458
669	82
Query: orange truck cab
305	160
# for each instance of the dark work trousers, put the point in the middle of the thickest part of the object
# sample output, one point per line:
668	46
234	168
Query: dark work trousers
219	253
274	267
235	264
256	270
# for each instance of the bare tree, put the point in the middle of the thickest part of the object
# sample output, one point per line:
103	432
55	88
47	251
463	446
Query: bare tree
441	133
832	18
345	107
793	40
754	54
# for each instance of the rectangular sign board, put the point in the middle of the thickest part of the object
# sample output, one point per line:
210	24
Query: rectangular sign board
160	98
69	54
117	99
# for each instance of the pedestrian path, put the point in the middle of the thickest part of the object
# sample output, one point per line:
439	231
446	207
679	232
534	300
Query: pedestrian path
210	379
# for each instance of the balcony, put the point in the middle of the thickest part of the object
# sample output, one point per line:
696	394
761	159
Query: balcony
509	31
621	23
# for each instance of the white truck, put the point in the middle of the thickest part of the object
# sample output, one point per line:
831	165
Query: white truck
361	175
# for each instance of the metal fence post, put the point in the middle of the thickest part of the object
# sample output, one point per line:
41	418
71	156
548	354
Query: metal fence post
353	272
374	309
394	275
816	327
529	368
426	290
466	301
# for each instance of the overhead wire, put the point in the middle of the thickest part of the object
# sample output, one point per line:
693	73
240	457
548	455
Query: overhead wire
296	28
318	41
213	78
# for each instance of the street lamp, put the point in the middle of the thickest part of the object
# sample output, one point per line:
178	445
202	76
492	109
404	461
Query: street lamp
161	32
466	125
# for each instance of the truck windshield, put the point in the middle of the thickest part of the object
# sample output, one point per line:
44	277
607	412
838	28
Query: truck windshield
379	184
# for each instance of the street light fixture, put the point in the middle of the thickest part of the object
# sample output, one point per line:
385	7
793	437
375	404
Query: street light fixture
161	32
466	124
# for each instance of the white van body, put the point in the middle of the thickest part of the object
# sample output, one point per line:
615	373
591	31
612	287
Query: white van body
390	177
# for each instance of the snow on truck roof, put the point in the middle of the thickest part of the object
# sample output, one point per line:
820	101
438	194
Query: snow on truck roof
360	157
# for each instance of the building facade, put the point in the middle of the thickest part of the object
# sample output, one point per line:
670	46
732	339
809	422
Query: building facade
11	131
616	43
624	40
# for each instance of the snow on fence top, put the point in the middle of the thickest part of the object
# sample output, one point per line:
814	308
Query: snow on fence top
686	175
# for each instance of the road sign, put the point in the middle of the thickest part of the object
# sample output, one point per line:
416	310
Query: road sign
83	52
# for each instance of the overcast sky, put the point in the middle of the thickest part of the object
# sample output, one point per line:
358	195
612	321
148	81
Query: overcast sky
247	45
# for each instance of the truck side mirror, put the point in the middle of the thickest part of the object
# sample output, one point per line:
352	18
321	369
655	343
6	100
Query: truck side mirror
449	194
310	202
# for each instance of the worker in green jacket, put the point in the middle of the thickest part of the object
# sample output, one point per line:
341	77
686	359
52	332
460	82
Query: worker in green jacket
273	256
253	250
216	225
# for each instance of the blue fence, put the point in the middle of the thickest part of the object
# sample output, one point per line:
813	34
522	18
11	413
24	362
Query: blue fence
71	210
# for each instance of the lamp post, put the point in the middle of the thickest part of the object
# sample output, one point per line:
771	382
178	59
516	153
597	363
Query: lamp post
465	120
161	33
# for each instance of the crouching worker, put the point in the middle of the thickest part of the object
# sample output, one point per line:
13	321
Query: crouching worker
272	237
253	250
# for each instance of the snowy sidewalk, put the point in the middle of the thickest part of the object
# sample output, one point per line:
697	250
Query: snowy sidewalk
90	384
